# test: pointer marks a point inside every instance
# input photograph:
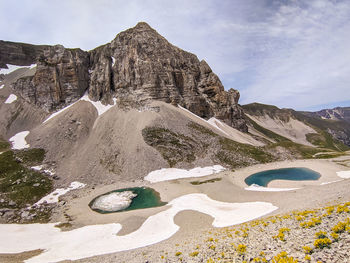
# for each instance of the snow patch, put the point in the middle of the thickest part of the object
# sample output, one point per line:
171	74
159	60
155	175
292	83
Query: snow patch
344	174
59	112
113	61
191	113
258	188
98	105
216	123
114	201
95	240
12	68
212	121
166	174
331	182
53	197
2	86
50	172
19	140
37	168
11	99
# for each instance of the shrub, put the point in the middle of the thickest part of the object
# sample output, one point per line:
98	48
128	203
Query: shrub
178	253
299	218
322	243
330	210
283	258
340	227
194	254
307	249
335	236
241	249
342	209
321	234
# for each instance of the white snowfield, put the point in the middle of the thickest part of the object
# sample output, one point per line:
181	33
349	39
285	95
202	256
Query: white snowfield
19	140
216	123
232	133
212	121
114	201
2	86
40	167
12	68
97	104
58	112
53	197
95	240
331	182
166	174
258	188
37	168
344	174
11	99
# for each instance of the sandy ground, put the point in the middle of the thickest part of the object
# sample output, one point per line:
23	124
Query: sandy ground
193	225
221	128
293	129
230	189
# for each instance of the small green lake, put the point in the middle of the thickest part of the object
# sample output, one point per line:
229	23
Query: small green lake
293	174
145	198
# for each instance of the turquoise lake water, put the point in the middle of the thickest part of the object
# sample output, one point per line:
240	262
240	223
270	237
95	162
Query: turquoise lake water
293	174
146	198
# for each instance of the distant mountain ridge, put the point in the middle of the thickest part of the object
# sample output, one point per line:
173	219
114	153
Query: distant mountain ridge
338	113
333	122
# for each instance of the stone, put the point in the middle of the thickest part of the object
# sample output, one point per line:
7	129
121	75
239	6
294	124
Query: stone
25	214
137	67
140	66
61	78
19	53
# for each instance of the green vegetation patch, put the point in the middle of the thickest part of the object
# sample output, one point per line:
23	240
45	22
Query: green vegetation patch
4	145
206	181
174	147
201	129
306	152
31	157
272	111
19	185
322	126
325	140
270	134
237	154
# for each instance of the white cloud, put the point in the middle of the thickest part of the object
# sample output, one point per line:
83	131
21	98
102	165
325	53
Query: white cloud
309	63
289	53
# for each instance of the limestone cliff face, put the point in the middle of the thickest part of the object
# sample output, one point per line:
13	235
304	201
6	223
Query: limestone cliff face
61	78
137	67
19	53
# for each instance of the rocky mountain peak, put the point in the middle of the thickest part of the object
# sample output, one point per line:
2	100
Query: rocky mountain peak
137	67
142	26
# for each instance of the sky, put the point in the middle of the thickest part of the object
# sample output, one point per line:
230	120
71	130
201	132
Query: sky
289	53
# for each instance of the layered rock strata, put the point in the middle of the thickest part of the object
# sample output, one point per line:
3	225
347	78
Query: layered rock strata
137	67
